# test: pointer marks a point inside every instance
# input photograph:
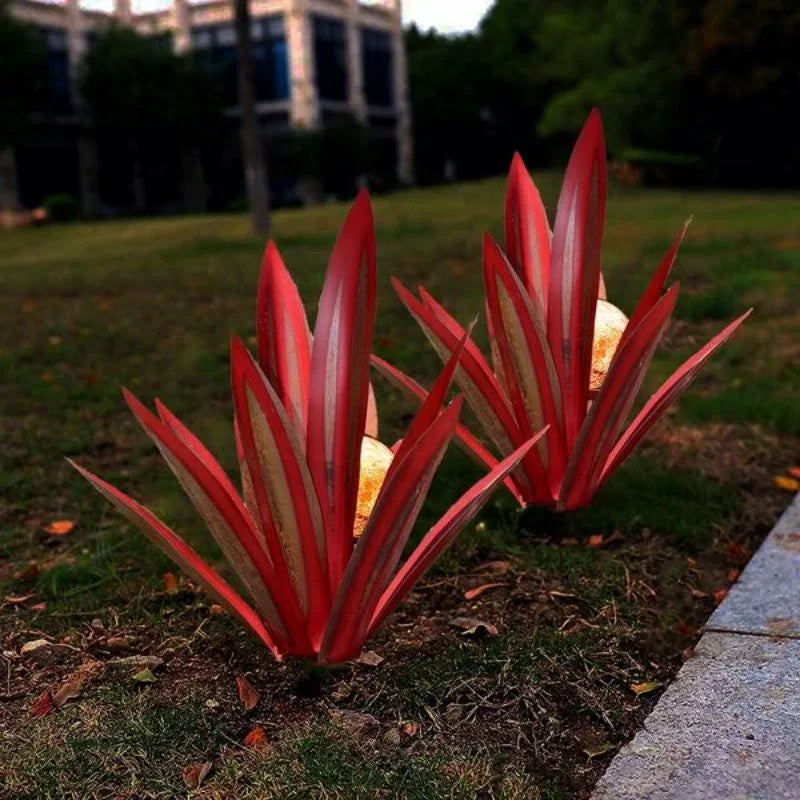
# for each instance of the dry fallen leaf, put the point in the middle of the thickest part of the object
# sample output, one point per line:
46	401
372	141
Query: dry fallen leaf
216	610
256	739
61	527
74	685
369	658
410	728
247	694
737	553
595	540
600	750
18	599
144	676
733	575
794	472
195	774
646	687
30	573
43	705
170	583
494	566
719	596
471	594
470	626
789	484
39	607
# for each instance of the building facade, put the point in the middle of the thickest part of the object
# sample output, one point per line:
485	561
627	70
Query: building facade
314	60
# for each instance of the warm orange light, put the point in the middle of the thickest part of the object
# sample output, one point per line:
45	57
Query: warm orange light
376	458
609	324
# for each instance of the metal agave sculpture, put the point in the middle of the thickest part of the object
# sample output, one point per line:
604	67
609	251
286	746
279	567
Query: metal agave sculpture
561	356
302	410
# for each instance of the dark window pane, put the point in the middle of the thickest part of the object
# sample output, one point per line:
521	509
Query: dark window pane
330	58
376	63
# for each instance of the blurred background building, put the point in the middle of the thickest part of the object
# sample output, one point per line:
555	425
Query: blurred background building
318	64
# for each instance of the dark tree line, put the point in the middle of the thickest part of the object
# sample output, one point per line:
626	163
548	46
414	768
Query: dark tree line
696	90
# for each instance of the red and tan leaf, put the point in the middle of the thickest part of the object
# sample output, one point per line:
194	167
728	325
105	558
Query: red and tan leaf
575	270
339	389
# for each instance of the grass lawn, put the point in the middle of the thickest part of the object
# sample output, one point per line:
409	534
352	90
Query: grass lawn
535	711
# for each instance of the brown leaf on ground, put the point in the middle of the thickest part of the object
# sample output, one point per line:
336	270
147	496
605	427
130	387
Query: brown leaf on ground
247	694
469	626
170	583
733	575
60	527
786	483
719	596
494	566
369	658
117	644
30	574
195	774
18	599
43	705
39	607
595	541
737	553
646	687
216	610
471	594
794	472
600	750
75	684
410	729
257	739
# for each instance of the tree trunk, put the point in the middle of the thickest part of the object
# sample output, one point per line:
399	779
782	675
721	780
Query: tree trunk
255	169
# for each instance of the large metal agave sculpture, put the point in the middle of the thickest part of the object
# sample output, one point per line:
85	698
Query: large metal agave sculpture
301	413
561	355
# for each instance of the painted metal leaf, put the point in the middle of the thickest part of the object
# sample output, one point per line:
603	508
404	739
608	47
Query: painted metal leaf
610	410
527	232
284	340
339	388
183	555
380	547
575	270
442	534
669	392
528	366
283	488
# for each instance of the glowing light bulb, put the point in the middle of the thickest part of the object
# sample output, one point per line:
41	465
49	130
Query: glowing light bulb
376	458
609	325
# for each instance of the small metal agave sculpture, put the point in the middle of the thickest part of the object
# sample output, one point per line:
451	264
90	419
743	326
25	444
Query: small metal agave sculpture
311	480
562	356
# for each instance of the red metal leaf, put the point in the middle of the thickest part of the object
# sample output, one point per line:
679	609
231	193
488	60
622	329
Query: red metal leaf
442	534
283	488
284	340
670	391
527	232
655	288
340	379
227	519
575	270
528	367
180	552
380	547
610	409
474	377
469	443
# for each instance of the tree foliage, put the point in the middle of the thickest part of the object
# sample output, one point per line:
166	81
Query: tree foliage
22	75
713	79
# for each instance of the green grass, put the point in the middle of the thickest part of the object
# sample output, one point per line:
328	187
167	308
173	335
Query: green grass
151	304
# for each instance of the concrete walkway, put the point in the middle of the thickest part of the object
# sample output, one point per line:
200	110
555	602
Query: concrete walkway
728	727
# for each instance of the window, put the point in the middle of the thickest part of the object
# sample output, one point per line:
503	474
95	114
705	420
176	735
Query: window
330	58
59	97
216	46
376	64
